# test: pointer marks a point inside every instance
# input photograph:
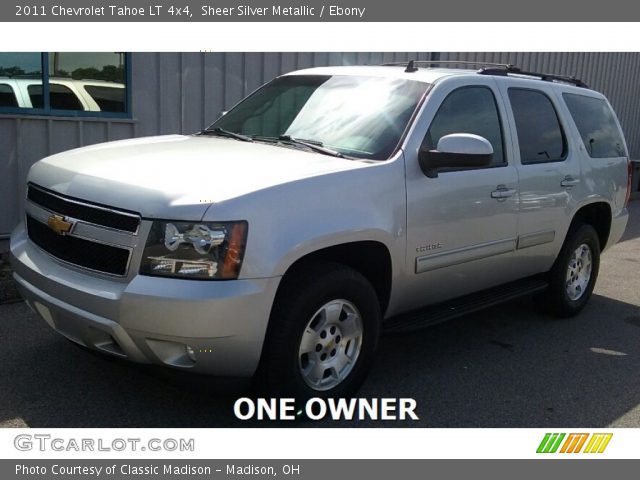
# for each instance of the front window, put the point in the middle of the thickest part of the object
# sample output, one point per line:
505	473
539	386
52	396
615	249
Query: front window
357	116
471	109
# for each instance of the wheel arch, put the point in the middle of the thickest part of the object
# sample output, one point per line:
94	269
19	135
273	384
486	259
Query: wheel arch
371	258
599	215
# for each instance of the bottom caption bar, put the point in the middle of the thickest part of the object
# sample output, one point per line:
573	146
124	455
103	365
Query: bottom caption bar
312	469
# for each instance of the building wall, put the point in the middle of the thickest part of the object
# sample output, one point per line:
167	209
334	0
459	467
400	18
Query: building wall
185	92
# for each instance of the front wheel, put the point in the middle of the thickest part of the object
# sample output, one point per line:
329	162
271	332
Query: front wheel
323	333
575	271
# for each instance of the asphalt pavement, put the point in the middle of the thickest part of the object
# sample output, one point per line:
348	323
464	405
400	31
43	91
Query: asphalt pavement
508	366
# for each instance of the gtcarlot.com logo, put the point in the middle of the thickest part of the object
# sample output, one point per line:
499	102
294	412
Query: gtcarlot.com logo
45	443
574	443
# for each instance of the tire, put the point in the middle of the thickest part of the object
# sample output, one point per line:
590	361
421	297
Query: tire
574	273
324	315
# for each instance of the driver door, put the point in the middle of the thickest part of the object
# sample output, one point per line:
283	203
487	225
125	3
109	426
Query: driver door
462	225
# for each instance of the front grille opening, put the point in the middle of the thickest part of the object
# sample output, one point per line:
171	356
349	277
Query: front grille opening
84	253
97	215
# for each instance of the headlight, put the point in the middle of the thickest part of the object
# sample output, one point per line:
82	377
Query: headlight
204	250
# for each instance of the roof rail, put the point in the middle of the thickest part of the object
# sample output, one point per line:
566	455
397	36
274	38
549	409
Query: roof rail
547	77
488	68
412	64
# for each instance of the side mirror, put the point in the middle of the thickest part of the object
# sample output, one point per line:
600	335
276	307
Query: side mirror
458	150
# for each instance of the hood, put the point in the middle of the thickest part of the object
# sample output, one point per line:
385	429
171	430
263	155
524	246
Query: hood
176	176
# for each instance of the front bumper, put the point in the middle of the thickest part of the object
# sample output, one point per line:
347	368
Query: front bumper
149	319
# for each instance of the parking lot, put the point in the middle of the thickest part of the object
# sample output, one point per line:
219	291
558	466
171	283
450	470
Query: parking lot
509	366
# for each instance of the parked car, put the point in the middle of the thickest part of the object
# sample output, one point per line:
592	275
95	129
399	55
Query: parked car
64	94
330	204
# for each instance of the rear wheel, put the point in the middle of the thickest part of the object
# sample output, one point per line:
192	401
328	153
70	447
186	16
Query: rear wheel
323	333
575	271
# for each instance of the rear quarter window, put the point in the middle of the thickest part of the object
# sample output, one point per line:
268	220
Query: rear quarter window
7	97
597	126
109	99
60	97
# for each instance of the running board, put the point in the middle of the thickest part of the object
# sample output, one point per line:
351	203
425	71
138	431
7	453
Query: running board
457	307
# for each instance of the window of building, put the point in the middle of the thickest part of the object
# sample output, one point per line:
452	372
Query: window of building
597	126
65	83
468	110
540	135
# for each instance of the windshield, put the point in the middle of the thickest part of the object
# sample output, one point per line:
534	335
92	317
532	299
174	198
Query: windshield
362	117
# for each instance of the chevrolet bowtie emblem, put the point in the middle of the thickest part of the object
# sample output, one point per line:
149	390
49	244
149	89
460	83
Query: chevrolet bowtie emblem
58	224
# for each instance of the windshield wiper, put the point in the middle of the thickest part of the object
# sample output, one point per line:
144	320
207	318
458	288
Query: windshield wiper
310	144
226	133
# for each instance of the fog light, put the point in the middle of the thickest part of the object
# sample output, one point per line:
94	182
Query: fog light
191	353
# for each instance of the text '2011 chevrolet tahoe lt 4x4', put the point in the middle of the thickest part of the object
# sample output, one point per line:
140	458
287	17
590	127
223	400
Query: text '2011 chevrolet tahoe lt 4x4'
330	204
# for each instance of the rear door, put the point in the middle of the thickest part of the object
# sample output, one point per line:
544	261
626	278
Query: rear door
549	171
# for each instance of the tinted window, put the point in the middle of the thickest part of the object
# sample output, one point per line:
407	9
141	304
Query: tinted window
596	124
468	110
109	99
7	97
60	97
539	133
35	94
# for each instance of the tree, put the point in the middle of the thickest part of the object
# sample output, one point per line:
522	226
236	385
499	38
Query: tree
110	73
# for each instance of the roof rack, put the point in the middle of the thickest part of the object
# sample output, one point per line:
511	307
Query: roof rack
547	77
411	64
488	68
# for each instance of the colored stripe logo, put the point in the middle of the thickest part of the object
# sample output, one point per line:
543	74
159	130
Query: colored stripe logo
574	443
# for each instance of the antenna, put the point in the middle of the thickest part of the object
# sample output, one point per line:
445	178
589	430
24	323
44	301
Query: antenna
411	67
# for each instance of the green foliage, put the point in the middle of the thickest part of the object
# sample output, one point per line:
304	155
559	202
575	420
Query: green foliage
16	71
110	73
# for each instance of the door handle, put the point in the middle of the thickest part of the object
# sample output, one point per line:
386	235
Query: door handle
569	181
503	192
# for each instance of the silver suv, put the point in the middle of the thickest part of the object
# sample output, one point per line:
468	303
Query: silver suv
330	204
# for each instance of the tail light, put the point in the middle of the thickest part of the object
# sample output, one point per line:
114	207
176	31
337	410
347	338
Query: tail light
629	180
